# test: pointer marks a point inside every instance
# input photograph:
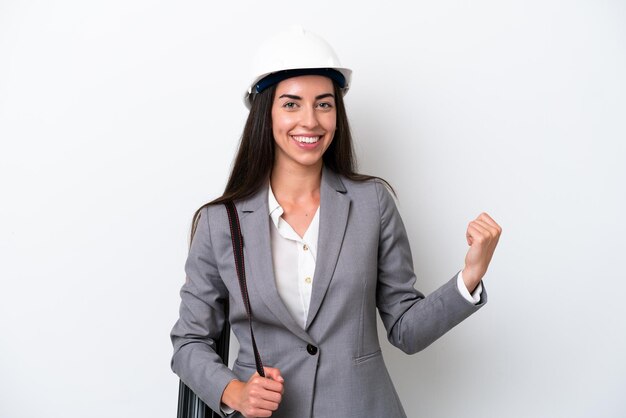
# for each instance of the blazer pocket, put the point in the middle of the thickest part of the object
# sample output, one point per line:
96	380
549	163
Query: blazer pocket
367	357
245	365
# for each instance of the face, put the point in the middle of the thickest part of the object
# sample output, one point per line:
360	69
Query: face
304	118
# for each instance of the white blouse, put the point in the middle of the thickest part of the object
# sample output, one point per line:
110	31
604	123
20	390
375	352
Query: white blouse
294	260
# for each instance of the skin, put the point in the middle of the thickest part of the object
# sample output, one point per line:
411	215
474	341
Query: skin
304	107
258	397
482	236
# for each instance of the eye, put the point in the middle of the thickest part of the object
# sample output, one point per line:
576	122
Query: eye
290	105
325	105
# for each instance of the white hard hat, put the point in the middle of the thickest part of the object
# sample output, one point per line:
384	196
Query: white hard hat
295	49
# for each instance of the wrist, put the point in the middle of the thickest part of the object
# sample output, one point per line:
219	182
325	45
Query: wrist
230	396
471	278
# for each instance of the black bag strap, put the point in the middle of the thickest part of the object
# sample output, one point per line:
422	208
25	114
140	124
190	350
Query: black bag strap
237	239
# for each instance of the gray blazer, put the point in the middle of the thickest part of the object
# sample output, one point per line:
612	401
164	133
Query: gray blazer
333	367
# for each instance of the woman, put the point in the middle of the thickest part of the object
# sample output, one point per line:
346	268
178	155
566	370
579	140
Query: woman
325	248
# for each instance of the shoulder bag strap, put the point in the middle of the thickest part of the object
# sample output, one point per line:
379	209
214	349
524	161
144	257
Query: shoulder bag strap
237	239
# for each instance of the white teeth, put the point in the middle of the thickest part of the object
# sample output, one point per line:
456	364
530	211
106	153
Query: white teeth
307	139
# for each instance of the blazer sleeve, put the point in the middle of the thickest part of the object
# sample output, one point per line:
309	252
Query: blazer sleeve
413	321
202	316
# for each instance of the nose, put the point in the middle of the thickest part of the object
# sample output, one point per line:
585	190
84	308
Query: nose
309	118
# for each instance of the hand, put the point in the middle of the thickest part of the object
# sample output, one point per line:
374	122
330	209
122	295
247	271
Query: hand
482	236
258	397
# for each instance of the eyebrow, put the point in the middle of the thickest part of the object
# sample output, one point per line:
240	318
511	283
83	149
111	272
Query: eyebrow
294	97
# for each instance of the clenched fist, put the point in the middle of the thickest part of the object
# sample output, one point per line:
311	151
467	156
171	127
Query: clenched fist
482	236
258	397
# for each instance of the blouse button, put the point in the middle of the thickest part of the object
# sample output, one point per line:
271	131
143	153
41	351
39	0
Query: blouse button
305	247
307	280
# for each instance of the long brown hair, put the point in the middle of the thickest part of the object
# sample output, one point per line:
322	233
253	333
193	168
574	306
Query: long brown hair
255	157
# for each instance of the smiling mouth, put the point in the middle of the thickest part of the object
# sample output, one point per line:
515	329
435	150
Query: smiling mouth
307	139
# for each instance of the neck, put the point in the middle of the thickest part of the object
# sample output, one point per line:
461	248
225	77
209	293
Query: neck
296	183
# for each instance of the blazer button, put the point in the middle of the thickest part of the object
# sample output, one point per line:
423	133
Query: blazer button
311	349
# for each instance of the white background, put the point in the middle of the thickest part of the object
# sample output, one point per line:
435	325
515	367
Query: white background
119	118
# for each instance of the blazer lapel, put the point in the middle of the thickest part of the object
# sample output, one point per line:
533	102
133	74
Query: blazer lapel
255	228
334	207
